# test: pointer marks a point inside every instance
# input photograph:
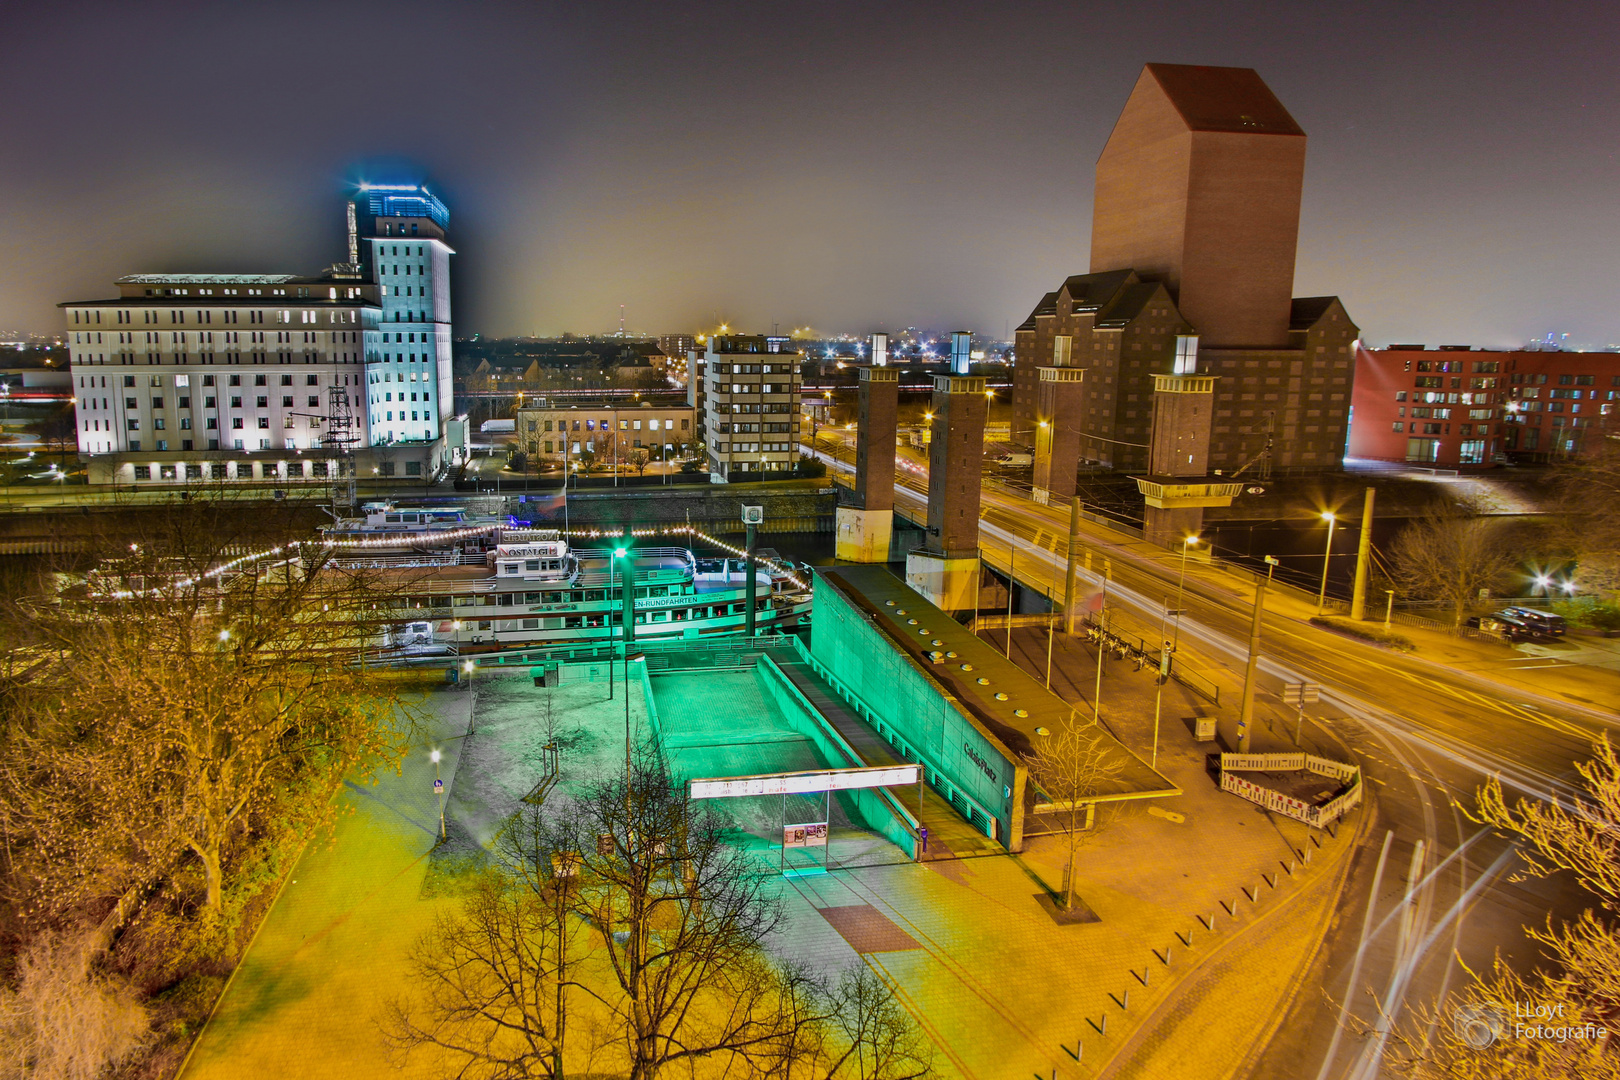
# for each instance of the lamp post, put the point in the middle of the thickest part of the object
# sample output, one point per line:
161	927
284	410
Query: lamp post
1181	584
438	789
1321	597
629	658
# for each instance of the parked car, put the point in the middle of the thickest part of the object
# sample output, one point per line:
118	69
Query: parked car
1548	623
1510	628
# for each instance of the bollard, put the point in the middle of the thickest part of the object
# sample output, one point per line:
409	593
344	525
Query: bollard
1231	909
1250	895
1185	939
1078	1051
1270	881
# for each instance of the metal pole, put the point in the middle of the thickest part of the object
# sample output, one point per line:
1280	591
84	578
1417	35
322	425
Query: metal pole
1158	697
1051	629
749	585
1358	595
1389	607
1181	584
1069	575
612	559
1246	711
1321	597
1012	558
1102	612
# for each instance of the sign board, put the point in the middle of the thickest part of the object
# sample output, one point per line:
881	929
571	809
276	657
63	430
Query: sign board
803	783
810	835
438	787
1301	694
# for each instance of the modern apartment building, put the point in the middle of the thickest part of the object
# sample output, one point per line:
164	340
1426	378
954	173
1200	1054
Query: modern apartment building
751	395
274	376
1459	407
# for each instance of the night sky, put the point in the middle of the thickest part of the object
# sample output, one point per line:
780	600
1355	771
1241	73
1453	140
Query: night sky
848	166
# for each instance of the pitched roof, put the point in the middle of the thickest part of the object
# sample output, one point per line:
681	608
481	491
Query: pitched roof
1047	306
1089	292
1307	311
1223	99
1127	304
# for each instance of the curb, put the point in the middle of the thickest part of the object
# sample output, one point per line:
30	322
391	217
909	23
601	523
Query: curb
1280	1011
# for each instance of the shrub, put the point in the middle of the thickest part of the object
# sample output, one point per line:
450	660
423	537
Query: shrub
1377	637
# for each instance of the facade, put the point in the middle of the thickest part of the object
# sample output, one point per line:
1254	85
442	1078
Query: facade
272	376
1197	212
608	431
402	252
751	406
1457	407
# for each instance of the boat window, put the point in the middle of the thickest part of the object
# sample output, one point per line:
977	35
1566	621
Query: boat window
531	598
531	564
556	597
391	518
509	568
593	594
506	600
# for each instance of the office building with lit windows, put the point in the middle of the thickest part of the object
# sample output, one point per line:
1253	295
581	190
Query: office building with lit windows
275	377
1460	407
750	406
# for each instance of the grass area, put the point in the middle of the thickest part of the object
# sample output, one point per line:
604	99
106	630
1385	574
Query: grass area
1363	633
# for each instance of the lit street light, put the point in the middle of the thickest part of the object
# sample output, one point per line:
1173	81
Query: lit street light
1321	597
1175	637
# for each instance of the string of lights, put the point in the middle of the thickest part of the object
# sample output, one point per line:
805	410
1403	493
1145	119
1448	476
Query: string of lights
404	539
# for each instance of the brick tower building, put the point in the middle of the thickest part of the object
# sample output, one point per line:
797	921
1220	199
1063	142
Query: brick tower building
1194	231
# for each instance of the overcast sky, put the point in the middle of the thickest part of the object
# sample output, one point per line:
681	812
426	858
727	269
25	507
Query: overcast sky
847	166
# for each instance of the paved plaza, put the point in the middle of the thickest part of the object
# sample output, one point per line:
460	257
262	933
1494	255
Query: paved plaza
1001	987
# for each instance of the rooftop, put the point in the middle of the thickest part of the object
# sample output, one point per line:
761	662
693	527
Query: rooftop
206	279
1223	99
889	603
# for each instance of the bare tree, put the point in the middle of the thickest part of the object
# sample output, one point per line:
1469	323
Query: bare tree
64	1020
181	704
872	1036
1477	1034
1073	766
1448	554
1588	491
682	915
639	457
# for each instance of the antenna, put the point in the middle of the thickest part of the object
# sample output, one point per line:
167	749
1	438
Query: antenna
621	320
354	236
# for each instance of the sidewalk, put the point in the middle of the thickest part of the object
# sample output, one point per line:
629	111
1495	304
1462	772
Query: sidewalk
304	999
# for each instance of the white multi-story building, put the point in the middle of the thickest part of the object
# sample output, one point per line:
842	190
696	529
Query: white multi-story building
750	406
401	230
269	376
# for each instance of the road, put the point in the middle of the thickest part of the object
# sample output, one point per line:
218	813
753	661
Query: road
1430	888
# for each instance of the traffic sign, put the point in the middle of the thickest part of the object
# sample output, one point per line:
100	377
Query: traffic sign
438	787
1301	694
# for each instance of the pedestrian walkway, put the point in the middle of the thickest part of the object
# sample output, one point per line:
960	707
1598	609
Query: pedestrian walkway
305	999
949	834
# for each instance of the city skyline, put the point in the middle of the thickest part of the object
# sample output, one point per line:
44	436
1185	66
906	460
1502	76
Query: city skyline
884	169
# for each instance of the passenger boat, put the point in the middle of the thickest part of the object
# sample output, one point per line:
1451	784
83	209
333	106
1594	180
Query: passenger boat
533	588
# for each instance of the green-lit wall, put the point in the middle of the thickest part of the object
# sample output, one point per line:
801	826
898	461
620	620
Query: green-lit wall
945	738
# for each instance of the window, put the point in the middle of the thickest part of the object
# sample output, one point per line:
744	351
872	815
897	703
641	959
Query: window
286	401
1399	427
264	423
143	472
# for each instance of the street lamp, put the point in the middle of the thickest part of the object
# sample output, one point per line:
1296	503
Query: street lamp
438	789
1321	597
629	658
1175	637
618	553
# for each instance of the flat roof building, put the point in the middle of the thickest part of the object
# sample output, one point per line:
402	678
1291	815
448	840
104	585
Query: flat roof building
180	372
751	394
1457	407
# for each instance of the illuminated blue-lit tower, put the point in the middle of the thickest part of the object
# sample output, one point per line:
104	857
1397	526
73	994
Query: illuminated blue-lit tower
398	240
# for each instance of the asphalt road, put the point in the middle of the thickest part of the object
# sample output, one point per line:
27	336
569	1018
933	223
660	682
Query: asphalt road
1430	890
